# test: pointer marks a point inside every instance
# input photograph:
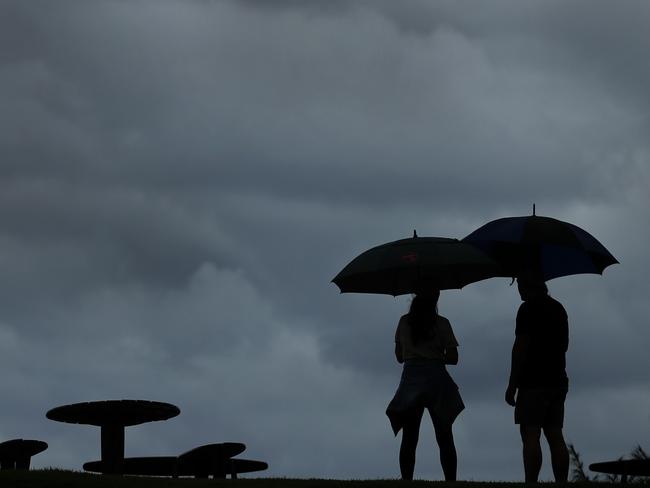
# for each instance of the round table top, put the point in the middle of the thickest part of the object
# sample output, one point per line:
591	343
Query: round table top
26	447
114	412
629	467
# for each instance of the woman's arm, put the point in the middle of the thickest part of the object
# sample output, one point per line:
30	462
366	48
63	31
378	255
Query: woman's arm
450	352
451	355
398	344
398	353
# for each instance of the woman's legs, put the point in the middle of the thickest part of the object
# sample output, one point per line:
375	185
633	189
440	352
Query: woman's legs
410	435
445	438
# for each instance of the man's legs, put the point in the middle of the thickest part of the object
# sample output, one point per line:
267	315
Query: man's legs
559	453
410	435
532	451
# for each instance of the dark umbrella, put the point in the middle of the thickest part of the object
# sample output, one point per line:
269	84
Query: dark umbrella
409	265
544	246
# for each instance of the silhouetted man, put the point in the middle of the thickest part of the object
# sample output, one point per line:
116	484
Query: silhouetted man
538	377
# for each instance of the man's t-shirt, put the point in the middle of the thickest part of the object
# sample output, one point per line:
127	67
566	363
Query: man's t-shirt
545	322
432	347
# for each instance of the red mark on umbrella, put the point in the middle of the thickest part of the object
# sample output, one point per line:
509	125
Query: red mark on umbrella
410	258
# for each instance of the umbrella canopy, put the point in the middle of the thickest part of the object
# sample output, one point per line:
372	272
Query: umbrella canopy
409	265
544	246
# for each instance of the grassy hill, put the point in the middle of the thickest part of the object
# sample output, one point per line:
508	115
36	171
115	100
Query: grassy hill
70	479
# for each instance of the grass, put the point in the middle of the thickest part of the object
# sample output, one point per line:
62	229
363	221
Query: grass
71	479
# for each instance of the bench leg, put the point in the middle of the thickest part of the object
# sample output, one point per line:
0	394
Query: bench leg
219	469
23	462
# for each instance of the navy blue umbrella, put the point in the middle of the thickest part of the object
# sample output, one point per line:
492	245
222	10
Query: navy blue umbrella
542	246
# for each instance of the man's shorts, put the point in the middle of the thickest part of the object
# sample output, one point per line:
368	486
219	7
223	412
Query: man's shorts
540	407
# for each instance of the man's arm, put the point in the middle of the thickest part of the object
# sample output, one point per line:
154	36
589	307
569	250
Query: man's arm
398	353
519	352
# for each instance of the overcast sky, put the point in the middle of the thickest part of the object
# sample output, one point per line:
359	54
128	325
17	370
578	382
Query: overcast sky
180	181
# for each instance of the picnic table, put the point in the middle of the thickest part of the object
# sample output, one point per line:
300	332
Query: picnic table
17	453
113	416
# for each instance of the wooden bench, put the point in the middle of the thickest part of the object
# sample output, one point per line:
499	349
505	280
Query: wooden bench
17	453
214	460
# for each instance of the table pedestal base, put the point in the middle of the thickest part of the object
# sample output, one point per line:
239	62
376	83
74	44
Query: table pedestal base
113	448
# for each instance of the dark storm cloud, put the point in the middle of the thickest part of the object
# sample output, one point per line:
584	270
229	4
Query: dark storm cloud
230	113
180	181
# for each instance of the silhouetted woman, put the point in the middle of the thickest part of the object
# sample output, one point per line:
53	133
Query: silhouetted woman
425	343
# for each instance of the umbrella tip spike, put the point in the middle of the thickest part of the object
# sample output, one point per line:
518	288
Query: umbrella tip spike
415	234
533	209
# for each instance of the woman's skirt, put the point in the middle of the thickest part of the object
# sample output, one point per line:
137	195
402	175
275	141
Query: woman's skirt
424	384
